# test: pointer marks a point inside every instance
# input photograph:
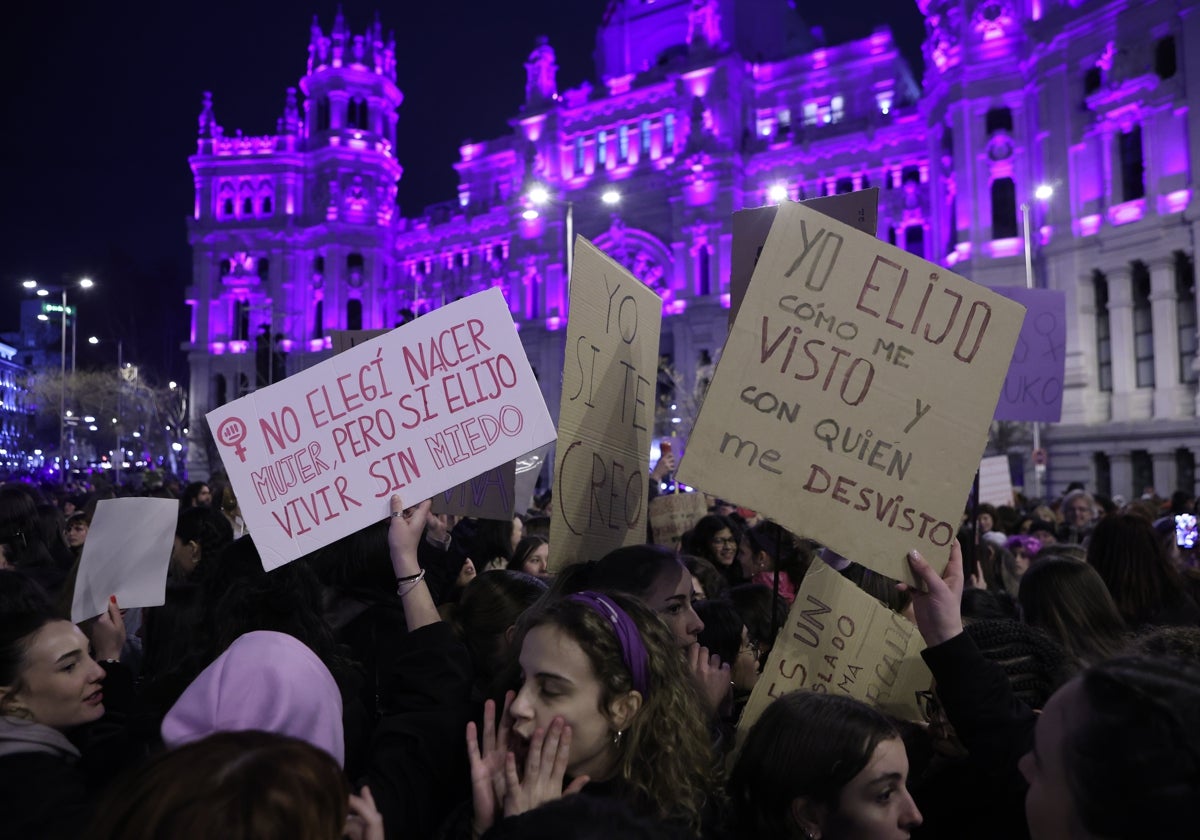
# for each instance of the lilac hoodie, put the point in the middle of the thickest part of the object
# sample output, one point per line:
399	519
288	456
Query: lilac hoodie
264	680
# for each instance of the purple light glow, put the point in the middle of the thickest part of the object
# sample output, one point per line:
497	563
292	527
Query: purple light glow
287	345
675	307
554	323
217	348
239	346
725	301
1088	225
1000	248
1175	202
1130	211
316	345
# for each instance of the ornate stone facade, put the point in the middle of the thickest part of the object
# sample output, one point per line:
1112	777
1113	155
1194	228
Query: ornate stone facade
703	107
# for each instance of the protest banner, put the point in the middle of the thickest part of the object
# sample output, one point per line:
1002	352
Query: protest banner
853	398
1033	389
490	495
840	640
858	209
607	410
673	514
421	409
127	552
995	481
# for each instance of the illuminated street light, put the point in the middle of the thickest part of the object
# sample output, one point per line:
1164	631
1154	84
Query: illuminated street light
1041	193
777	193
539	195
610	197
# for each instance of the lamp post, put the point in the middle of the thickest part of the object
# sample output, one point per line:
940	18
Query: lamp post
119	453
1042	193
539	196
44	291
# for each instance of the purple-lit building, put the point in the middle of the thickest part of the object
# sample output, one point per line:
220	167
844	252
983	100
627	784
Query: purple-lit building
703	107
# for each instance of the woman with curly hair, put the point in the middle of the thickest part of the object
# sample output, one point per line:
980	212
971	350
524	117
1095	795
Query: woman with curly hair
606	703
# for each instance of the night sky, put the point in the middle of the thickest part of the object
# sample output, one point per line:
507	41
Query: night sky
100	100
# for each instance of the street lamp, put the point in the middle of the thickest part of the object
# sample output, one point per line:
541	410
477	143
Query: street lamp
539	196
1043	193
44	291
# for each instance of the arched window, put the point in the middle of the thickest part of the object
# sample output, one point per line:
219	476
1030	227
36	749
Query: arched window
356	115
1133	167
1165	61
241	320
227	208
220	390
268	206
354	313
263	268
914	240
319	319
323	113
247	206
1004	208
224	268
703	286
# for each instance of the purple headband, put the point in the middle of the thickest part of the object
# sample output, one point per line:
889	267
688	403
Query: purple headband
633	651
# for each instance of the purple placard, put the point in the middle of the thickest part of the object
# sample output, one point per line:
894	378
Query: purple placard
1033	389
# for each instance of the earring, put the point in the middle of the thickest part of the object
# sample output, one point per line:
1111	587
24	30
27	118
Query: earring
617	737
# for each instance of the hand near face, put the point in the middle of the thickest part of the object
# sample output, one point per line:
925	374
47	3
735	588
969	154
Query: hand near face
108	632
489	784
711	677
545	767
938	609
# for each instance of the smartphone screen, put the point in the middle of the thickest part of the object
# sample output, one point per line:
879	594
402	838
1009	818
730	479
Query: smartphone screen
1185	530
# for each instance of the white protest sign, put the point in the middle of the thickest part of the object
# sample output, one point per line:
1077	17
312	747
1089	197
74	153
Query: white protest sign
853	398
751	226
840	640
995	481
607	410
423	408
127	552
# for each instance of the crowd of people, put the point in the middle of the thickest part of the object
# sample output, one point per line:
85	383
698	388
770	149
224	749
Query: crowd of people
434	677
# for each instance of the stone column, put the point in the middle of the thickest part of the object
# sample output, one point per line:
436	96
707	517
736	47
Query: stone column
1169	395
1120	320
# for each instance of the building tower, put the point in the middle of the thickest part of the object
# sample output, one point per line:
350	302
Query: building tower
291	232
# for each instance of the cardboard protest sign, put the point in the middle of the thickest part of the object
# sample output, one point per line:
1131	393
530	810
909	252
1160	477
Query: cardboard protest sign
490	495
127	553
840	640
673	514
858	209
343	340
853	397
423	408
1033	389
995	481
607	410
